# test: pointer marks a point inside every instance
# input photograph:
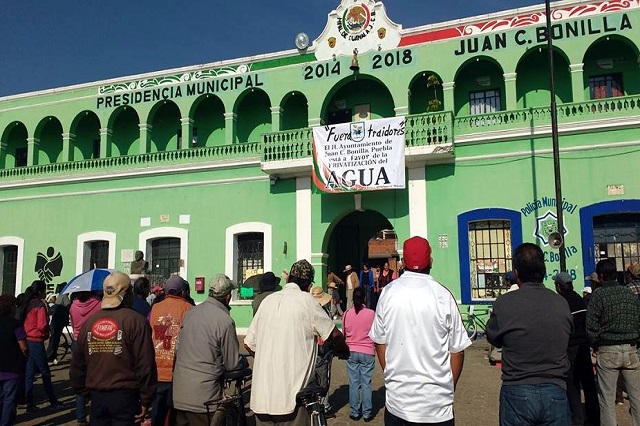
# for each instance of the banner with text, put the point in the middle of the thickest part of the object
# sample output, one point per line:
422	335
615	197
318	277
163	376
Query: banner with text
361	156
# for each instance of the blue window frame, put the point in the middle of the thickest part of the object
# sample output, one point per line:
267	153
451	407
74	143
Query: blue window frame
486	239
587	215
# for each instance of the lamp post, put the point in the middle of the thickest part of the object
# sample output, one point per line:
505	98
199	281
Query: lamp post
554	138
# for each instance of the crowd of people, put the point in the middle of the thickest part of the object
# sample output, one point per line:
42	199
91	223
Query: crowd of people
161	360
548	339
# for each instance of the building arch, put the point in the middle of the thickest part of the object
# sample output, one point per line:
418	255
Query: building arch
209	127
364	98
532	78
295	111
421	96
479	87
14	152
253	115
166	131
124	124
614	58
86	130
347	237
49	134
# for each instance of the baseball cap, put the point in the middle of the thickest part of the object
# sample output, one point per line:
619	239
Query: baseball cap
220	285
563	278
175	283
115	286
347	268
416	254
510	276
303	269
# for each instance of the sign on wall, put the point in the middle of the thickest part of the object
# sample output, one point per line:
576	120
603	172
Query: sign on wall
360	156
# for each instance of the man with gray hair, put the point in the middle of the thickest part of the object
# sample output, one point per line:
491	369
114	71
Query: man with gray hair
207	347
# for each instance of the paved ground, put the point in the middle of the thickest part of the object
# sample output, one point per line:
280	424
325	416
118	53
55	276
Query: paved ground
476	397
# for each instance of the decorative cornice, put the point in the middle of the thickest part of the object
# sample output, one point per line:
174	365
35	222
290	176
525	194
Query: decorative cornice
183	77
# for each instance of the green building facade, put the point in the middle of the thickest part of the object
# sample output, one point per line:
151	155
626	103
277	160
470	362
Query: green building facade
208	169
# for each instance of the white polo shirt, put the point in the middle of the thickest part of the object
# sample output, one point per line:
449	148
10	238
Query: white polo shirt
418	319
283	336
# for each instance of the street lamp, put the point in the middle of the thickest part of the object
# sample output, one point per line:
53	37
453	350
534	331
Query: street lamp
554	138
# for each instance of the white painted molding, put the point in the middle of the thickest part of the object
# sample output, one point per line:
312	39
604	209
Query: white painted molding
18	242
417	202
83	251
231	246
146	237
303	218
136	188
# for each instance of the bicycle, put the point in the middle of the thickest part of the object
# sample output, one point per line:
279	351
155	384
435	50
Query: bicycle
473	320
229	410
311	397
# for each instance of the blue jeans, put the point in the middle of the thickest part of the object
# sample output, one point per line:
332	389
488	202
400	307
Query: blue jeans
523	405
360	371
9	398
38	358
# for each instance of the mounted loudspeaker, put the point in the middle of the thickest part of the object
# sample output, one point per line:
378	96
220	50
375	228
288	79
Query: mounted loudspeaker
302	41
555	240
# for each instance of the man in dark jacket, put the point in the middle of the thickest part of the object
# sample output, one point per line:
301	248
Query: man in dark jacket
532	326
613	326
114	361
581	369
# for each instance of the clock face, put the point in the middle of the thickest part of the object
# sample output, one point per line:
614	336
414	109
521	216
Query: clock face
302	41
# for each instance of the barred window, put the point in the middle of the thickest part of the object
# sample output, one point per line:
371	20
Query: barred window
490	257
484	102
250	263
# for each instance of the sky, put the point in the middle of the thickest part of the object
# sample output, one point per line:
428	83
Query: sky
49	44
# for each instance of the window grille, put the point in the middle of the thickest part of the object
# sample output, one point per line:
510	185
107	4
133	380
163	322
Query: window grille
490	257
9	268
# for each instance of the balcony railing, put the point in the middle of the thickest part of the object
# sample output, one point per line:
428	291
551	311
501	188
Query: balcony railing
421	130
567	113
137	162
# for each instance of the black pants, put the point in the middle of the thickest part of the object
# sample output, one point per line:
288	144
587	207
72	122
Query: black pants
114	408
581	377
163	405
391	420
54	342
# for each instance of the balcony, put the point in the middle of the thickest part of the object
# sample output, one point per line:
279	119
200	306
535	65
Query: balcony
197	157
430	139
572	117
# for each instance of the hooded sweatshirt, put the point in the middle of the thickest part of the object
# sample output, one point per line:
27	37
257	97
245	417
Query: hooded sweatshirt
81	311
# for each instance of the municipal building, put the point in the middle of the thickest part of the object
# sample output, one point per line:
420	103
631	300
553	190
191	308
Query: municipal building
211	168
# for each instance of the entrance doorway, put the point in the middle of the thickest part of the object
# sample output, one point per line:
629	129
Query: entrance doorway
360	237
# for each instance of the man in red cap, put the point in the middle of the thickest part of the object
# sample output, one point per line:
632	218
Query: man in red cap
420	342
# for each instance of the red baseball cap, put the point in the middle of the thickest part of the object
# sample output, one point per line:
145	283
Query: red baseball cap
416	254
